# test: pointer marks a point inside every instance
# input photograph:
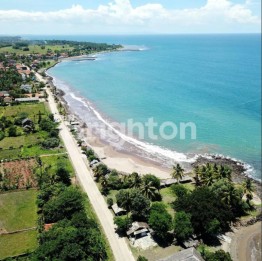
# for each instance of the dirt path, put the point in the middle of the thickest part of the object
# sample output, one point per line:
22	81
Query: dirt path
118	245
241	245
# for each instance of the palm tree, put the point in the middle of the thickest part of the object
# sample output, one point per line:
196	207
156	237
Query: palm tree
178	172
149	190
224	173
126	201
197	171
248	189
229	195
99	171
104	185
207	177
136	180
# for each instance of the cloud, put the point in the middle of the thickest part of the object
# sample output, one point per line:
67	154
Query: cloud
120	16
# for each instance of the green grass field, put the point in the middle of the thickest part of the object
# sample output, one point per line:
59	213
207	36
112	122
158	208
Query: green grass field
38	151
18	210
24	140
17	244
54	160
31	109
168	197
36	49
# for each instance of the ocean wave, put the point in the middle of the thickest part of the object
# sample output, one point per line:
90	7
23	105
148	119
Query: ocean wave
134	48
145	146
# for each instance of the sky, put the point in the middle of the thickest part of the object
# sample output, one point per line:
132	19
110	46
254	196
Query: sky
71	17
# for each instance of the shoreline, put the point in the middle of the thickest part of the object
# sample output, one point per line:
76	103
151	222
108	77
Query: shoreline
246	243
128	157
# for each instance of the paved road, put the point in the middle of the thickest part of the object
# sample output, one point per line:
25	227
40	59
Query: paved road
118	245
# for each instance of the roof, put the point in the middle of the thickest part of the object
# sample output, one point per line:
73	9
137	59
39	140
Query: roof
137	226
117	209
141	231
191	243
48	226
189	254
26	86
168	182
4	93
26	99
26	120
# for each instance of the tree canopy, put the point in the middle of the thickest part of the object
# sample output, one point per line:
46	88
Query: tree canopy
206	210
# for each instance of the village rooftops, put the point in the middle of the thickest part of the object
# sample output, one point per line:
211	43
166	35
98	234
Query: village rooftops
189	254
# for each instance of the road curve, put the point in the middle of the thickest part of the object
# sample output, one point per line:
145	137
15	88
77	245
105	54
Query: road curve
118	245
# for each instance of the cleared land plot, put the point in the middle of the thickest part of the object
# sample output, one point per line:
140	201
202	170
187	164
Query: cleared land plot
18	174
18	210
31	109
17	244
156	253
24	140
56	160
28	152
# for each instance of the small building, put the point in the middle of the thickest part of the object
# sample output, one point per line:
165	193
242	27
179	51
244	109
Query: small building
191	243
117	210
4	94
26	122
26	87
8	99
93	163
138	229
169	182
189	254
27	99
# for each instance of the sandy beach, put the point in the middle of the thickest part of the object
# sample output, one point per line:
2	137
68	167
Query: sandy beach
122	161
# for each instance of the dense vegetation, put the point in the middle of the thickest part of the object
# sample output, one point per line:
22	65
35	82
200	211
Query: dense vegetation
74	235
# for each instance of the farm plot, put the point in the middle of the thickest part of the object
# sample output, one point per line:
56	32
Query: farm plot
17	174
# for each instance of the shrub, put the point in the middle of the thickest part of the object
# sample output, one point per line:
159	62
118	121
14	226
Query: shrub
123	224
50	143
2	135
154	180
47	125
110	202
12	131
142	258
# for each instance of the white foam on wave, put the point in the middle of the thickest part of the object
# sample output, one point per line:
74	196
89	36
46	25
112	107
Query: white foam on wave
135	48
249	169
149	148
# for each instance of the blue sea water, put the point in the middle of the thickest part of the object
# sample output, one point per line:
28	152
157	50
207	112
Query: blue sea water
213	81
